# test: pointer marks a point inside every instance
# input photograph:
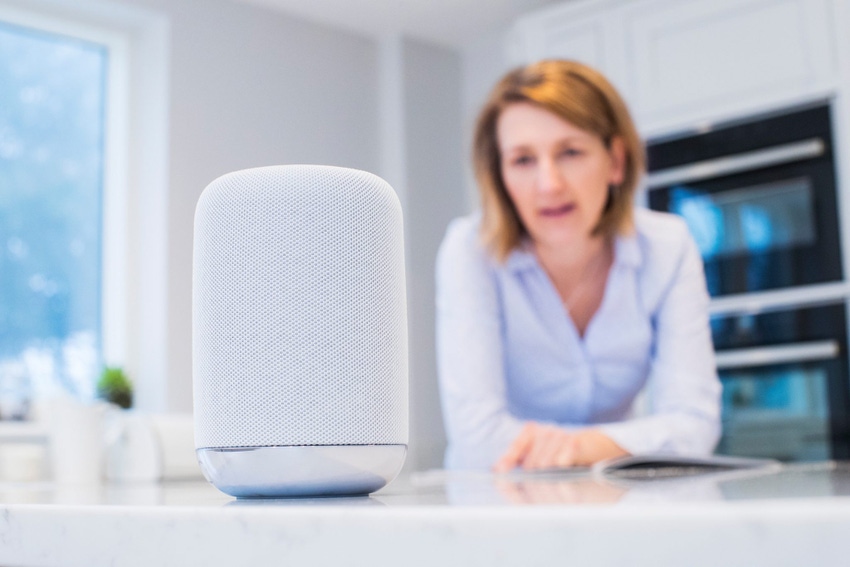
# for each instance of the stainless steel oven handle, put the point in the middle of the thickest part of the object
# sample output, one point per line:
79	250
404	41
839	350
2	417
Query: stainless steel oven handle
737	163
753	303
779	354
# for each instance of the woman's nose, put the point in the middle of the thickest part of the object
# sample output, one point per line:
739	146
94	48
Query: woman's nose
549	177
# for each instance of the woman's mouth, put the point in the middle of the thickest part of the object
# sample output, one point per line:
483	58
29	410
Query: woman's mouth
553	212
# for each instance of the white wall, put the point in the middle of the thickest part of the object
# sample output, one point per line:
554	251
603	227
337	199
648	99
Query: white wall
484	62
435	195
251	87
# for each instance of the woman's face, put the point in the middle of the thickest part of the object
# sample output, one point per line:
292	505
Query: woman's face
556	174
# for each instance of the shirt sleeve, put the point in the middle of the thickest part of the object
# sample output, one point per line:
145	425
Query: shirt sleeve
684	390
469	352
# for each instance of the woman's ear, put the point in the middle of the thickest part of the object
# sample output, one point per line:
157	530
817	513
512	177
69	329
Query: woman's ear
617	152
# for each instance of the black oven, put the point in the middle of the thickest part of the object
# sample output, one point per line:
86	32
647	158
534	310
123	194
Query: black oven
759	198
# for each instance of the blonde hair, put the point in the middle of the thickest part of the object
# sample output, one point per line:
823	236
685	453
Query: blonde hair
581	96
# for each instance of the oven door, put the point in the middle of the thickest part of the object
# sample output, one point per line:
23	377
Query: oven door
785	399
764	217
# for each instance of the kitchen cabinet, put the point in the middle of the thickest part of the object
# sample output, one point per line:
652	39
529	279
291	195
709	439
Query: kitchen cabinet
680	63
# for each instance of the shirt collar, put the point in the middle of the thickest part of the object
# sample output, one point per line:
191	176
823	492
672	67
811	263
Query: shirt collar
521	258
627	251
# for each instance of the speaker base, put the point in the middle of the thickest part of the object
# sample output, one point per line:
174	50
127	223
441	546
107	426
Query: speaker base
313	470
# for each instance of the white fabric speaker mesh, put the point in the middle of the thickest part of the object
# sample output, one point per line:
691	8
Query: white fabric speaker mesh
299	310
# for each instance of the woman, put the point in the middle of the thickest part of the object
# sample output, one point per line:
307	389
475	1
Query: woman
559	302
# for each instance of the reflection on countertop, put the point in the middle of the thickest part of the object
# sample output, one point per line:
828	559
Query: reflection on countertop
828	479
767	517
796	480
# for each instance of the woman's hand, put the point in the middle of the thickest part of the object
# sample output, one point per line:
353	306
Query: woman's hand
541	446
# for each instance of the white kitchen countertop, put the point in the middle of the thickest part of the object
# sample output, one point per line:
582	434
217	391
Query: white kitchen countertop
798	516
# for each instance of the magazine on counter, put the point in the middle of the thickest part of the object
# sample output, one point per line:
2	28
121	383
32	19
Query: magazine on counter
656	466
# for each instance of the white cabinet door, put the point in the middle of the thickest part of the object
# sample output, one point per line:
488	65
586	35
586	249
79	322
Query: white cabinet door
697	60
582	40
589	32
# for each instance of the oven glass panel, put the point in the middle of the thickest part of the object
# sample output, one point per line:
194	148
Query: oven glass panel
779	412
750	219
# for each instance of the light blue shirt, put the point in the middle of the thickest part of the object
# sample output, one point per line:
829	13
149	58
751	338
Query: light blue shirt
508	351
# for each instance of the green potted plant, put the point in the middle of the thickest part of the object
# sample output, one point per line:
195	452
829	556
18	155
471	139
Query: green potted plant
114	386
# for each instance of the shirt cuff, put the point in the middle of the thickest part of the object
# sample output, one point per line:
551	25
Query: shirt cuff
676	434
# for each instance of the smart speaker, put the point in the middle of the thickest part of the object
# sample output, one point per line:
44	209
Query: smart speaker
299	332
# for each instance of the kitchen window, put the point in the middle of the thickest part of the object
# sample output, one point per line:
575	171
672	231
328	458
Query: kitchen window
63	207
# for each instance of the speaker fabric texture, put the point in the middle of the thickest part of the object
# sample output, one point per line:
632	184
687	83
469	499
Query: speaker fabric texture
299	323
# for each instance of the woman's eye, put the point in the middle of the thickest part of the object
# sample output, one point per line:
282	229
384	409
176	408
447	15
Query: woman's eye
570	152
523	160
